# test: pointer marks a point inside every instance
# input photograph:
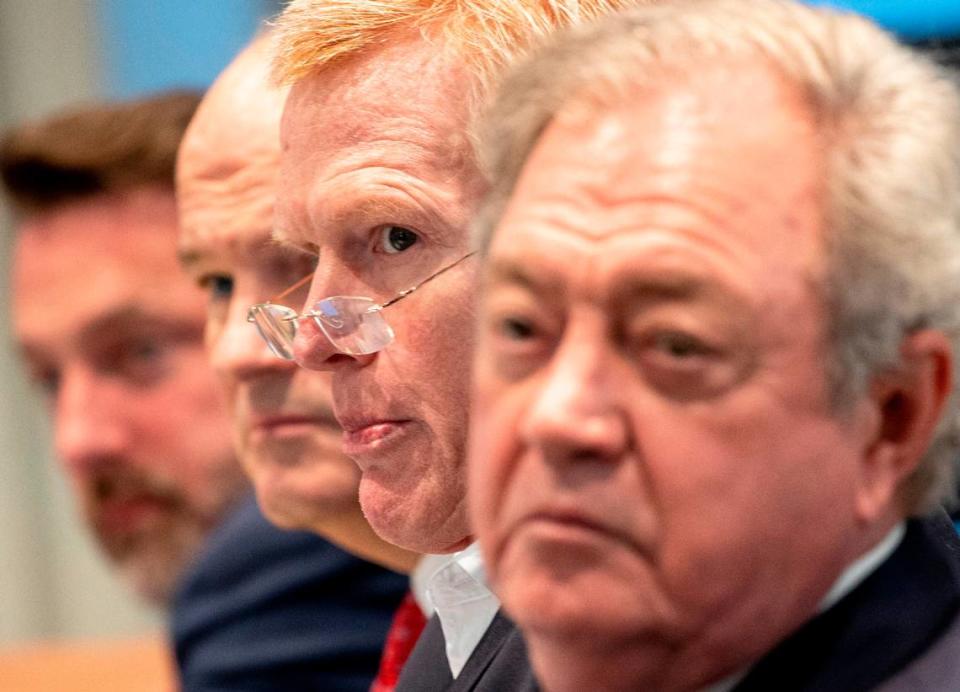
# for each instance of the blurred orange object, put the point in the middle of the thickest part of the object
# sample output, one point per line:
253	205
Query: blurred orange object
129	665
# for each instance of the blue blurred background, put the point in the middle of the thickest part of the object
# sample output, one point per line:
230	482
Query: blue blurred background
149	45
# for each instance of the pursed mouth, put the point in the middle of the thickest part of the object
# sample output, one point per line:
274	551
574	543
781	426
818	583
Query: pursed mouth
579	522
359	440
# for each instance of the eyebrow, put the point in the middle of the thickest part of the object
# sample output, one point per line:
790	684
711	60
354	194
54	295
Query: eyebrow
666	287
513	273
628	289
189	256
127	316
383	203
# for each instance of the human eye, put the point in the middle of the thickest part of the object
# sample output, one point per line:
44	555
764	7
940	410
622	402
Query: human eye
47	379
139	359
219	287
396	239
515	328
517	338
682	363
680	346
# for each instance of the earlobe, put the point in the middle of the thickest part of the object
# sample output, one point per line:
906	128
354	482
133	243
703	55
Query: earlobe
908	403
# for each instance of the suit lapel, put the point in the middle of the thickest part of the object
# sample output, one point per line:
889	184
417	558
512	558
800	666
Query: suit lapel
497	634
883	624
427	667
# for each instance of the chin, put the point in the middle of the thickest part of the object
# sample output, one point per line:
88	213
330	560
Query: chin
547	605
414	521
293	511
301	497
572	601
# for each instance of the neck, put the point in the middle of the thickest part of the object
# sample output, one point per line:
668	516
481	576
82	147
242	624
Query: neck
570	666
352	532
611	663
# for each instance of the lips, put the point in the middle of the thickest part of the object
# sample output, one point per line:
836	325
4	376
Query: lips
574	521
126	513
283	423
362	436
568	518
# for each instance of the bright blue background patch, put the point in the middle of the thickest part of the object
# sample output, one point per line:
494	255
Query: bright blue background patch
913	20
149	45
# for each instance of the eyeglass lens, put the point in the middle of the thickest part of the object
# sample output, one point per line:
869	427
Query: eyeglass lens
277	325
353	325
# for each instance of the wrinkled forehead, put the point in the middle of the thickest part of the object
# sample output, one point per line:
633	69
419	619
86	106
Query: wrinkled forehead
673	181
407	92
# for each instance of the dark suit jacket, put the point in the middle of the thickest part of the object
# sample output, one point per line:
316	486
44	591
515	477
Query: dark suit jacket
498	664
266	609
900	623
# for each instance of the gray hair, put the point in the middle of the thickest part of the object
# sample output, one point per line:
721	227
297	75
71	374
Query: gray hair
890	125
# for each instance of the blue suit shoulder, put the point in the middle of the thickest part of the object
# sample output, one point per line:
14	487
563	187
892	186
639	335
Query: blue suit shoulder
267	609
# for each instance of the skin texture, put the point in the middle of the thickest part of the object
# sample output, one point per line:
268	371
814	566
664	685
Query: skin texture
653	452
284	429
140	430
370	145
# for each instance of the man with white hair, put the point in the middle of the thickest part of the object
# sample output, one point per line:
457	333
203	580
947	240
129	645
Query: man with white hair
716	393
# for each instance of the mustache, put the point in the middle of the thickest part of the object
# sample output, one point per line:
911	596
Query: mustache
122	483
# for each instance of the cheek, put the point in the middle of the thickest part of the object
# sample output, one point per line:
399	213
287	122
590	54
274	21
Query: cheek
213	333
495	449
733	492
188	414
437	348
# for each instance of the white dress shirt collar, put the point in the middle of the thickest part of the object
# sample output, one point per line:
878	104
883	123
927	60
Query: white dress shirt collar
458	592
420	580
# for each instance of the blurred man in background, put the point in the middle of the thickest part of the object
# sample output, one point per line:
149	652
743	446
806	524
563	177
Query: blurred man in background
112	331
111	334
716	389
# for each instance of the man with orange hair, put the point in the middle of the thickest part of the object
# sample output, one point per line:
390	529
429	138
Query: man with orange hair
380	184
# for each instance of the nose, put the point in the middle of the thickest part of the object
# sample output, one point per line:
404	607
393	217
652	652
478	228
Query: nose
238	352
311	347
575	414
90	421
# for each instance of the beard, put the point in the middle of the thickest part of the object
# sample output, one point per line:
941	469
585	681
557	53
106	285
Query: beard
150	528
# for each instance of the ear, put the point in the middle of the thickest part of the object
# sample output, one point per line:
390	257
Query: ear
907	403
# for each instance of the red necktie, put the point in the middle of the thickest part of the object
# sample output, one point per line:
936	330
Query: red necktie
407	624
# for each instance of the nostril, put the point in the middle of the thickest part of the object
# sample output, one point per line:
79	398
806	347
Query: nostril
311	348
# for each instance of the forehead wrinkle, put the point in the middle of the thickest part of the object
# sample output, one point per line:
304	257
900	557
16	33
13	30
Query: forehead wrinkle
511	272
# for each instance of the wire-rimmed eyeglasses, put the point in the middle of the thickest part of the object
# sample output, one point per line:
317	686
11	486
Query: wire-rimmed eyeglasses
354	325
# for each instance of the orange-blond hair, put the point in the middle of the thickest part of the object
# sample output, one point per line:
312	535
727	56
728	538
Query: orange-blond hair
485	34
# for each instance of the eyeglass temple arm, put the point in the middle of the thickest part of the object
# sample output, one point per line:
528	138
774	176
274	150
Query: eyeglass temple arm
404	293
287	292
293	288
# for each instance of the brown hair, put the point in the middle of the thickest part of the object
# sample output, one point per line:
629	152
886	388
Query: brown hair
95	149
